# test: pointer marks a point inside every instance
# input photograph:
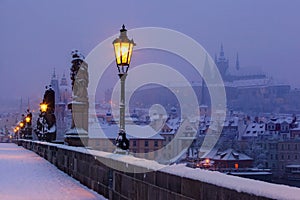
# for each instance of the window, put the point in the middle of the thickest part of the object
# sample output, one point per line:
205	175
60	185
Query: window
271	156
156	143
284	136
146	144
288	146
170	138
134	143
282	157
288	157
296	146
296	157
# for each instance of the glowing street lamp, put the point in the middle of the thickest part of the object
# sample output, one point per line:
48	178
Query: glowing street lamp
16	129
21	124
123	47
123	50
43	107
27	119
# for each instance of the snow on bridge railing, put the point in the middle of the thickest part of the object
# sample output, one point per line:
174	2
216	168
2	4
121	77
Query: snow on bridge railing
249	186
239	184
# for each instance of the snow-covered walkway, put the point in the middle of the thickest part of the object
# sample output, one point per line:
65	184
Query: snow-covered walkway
24	175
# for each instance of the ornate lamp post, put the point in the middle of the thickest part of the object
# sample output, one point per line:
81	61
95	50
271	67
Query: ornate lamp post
43	108
123	47
17	134
28	128
21	131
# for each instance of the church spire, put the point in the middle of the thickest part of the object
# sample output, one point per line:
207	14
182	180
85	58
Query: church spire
216	58
63	80
237	64
222	51
54	74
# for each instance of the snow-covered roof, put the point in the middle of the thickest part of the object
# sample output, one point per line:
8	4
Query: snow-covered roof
232	121
296	128
228	155
112	131
250	173
259	82
246	71
173	123
293	166
281	120
254	129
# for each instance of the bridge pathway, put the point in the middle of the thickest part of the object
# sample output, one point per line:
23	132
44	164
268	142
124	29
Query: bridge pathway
25	175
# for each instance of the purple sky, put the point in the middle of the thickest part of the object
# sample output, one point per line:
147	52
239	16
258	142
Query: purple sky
37	36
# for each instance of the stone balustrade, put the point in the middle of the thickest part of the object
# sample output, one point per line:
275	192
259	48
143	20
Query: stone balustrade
137	178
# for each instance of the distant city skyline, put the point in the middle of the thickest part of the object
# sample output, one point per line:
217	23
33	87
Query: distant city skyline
37	37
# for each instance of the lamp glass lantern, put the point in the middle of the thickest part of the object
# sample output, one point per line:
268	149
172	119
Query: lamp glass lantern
27	119
43	107
123	48
21	124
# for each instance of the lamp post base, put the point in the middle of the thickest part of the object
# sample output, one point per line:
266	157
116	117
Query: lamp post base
122	142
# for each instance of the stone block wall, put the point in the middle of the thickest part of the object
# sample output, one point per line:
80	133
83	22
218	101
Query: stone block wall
119	185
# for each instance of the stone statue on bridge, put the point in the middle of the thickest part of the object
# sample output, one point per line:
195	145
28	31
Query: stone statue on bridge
46	123
78	133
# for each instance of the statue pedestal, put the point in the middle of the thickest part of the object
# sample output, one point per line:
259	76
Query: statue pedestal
121	151
78	135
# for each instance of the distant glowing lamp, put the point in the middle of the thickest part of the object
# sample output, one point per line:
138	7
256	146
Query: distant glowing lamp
123	50
43	107
27	119
21	124
17	128
207	161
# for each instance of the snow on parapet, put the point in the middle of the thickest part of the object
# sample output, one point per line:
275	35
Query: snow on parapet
250	186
